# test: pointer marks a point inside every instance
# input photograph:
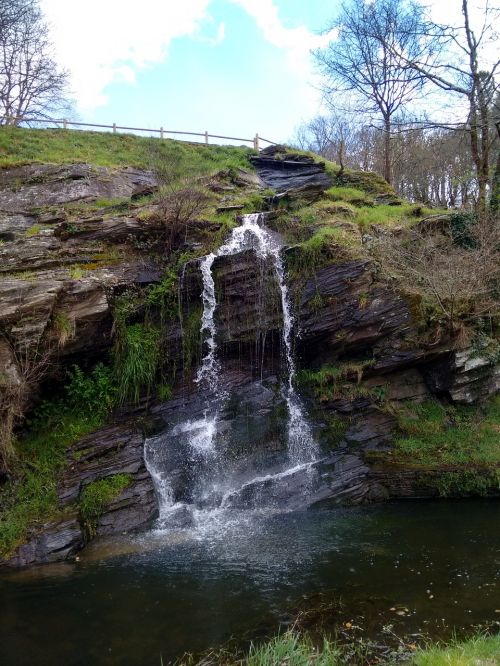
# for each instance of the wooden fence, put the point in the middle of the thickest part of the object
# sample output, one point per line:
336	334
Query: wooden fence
66	124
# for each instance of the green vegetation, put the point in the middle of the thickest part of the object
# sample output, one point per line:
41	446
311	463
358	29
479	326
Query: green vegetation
349	194
477	651
136	354
98	495
342	381
292	648
393	216
22	146
76	272
34	230
437	434
30	499
64	327
312	254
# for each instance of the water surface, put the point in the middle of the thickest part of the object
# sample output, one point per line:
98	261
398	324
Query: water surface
158	595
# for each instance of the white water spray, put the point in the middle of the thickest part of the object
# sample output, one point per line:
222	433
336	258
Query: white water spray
201	433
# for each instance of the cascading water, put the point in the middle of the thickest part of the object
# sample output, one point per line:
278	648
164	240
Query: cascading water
200	434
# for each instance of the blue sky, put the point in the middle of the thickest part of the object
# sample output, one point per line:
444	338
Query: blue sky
231	67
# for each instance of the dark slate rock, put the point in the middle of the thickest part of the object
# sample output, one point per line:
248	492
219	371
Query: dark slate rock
115	449
293	174
56	541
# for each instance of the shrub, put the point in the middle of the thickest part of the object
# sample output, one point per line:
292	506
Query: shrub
95	391
98	495
136	355
30	497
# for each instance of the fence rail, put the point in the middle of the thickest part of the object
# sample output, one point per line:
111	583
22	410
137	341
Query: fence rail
255	141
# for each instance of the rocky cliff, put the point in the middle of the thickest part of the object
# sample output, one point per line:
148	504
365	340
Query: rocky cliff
83	254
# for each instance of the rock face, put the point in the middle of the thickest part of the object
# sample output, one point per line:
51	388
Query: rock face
27	188
60	275
115	449
465	377
291	174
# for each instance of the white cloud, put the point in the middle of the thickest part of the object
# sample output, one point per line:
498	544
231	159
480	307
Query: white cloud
297	42
105	41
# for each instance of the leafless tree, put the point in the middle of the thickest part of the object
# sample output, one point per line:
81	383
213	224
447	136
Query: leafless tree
364	60
331	136
452	59
32	85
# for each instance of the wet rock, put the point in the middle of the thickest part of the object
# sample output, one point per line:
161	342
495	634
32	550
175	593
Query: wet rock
343	308
14	226
339	478
180	516
114	449
55	542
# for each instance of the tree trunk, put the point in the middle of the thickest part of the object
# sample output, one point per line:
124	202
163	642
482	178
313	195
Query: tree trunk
387	150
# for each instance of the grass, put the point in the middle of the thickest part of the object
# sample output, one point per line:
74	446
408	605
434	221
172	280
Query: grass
34	230
22	146
437	434
292	648
98	495
393	216
136	355
312	254
32	499
342	381
351	195
63	327
477	651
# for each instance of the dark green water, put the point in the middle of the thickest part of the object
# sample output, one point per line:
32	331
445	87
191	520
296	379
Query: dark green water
186	591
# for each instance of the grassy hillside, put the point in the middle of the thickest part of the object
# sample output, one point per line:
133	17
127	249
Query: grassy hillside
56	146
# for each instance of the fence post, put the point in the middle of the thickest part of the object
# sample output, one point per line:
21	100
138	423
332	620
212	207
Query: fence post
114	128
161	132
206	137
65	123
256	142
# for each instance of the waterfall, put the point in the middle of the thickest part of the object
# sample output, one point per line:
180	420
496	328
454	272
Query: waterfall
200	434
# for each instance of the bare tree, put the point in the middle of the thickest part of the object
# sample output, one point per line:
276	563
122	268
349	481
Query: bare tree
331	136
31	83
364	60
451	58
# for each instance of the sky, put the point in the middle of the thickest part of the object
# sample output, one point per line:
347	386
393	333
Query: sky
231	67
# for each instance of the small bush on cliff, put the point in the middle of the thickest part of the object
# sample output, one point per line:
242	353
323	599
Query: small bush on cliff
136	355
461	281
98	495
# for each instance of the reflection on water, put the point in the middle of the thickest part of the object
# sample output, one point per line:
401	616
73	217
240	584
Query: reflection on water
130	601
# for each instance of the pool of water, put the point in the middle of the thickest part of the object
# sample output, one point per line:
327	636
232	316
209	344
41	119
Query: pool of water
415	566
